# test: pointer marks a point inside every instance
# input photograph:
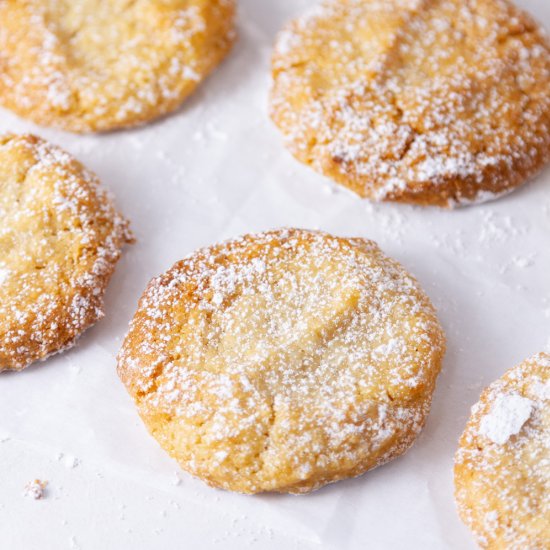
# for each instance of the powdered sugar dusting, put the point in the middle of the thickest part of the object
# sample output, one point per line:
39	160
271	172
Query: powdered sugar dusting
502	466
61	238
4	274
506	418
441	102
279	340
62	74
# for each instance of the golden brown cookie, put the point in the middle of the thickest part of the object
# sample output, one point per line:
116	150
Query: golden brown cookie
440	102
60	238
502	466
93	65
283	361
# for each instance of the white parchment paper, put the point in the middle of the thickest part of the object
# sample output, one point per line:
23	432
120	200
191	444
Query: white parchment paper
214	170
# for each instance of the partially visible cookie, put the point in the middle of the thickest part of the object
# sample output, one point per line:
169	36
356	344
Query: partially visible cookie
442	103
283	361
502	466
91	65
60	238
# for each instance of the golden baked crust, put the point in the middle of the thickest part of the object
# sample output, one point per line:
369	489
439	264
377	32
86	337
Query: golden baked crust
92	65
60	238
502	466
432	102
283	361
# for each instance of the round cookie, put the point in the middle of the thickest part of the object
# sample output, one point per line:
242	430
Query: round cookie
283	361
60	238
94	66
502	466
441	103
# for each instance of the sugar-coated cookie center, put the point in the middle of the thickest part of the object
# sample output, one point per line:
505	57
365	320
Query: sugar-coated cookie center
41	234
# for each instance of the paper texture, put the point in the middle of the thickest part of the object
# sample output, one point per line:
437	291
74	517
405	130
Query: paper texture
214	170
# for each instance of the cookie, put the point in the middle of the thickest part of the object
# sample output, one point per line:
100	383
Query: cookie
283	361
60	238
502	466
91	65
441	103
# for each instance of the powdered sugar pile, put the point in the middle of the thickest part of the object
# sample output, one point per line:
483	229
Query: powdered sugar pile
506	418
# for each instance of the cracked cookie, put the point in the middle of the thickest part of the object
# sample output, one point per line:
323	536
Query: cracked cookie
283	361
441	103
60	238
89	65
502	466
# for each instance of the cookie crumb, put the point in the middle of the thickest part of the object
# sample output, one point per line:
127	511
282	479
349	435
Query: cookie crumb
36	489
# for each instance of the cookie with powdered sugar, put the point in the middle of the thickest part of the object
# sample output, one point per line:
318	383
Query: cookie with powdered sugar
433	103
283	361
100	65
502	466
60	238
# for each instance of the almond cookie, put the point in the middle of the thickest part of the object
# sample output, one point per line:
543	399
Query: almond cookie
283	361
91	65
60	238
442	102
502	466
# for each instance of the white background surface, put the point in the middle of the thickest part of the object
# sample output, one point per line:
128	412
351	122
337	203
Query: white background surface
214	170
